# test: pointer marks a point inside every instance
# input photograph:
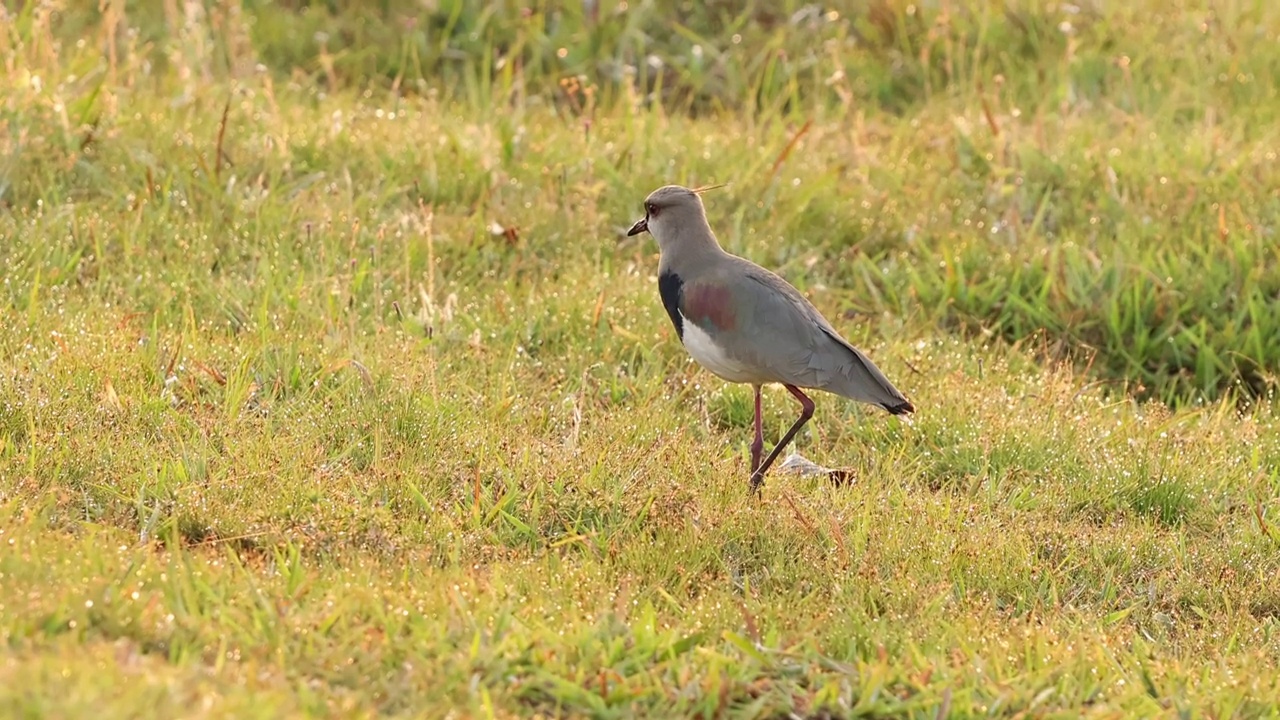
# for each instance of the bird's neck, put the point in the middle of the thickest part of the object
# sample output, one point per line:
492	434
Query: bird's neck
691	248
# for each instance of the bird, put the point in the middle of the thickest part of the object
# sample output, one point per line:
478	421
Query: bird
748	325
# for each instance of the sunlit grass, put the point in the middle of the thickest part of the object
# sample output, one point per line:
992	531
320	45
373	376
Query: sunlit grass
331	387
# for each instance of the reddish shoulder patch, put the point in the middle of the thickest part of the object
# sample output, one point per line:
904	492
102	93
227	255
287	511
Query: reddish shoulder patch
710	304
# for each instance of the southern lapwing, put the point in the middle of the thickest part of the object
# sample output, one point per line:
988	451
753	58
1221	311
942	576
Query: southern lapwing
748	325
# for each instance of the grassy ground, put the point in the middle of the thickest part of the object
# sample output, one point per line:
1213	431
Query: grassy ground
330	388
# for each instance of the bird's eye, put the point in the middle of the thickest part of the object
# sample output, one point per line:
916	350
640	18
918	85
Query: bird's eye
651	209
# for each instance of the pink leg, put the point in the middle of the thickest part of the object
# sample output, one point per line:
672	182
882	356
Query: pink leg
757	445
806	412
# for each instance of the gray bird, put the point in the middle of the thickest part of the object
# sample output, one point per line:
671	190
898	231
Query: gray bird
748	325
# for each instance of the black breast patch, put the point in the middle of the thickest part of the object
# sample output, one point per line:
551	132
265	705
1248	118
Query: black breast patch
669	287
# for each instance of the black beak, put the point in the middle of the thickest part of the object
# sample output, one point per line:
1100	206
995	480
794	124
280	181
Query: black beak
642	225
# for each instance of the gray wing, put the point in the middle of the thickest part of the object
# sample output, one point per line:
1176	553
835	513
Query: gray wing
800	347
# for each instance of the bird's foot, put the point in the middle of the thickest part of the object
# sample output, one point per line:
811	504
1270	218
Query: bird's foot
757	479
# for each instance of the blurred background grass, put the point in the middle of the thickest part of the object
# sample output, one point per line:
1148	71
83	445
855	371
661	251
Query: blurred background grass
1097	179
331	388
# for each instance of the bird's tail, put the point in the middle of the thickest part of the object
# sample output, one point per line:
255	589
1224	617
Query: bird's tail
860	379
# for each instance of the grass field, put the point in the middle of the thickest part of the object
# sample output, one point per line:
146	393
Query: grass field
331	388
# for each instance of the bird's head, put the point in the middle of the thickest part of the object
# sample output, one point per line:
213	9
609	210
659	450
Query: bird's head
670	213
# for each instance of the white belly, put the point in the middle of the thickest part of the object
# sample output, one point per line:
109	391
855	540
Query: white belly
712	356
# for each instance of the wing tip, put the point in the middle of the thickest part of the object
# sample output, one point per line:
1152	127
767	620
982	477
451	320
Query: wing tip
901	408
